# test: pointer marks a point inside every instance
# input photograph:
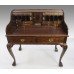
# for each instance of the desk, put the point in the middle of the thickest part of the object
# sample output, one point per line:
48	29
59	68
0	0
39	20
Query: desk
37	26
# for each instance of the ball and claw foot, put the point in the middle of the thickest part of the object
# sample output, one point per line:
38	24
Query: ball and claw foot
14	64
60	64
20	48
56	50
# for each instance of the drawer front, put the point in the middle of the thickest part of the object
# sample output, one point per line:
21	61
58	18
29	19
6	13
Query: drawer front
21	40
50	40
35	40
44	40
59	39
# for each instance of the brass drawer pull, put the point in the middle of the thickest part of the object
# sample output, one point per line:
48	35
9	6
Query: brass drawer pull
22	40
50	40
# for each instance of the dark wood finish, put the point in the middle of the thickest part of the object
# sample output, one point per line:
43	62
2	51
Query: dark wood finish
37	26
56	50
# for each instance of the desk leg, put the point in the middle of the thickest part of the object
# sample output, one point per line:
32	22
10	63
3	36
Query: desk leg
20	48
64	46
56	50
9	46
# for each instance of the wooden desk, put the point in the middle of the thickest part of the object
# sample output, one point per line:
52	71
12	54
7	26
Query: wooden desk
37	26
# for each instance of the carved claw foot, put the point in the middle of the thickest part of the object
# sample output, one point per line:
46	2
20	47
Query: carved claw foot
14	64
60	64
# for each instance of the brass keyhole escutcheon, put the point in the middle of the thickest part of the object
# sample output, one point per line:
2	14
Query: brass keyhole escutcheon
22	40
50	40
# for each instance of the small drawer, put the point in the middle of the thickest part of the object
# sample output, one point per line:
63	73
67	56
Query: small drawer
45	40
50	40
58	39
21	39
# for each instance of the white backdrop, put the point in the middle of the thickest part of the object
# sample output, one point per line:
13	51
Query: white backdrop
36	56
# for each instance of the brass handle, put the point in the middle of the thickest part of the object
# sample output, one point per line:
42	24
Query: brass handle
50	40
22	40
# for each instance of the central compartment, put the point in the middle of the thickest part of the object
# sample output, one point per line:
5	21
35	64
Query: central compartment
37	17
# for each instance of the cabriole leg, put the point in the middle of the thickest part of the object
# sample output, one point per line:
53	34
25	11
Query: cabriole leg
20	48
9	46
56	50
64	46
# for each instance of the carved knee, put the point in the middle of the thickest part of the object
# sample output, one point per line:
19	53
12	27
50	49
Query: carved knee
64	46
9	46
